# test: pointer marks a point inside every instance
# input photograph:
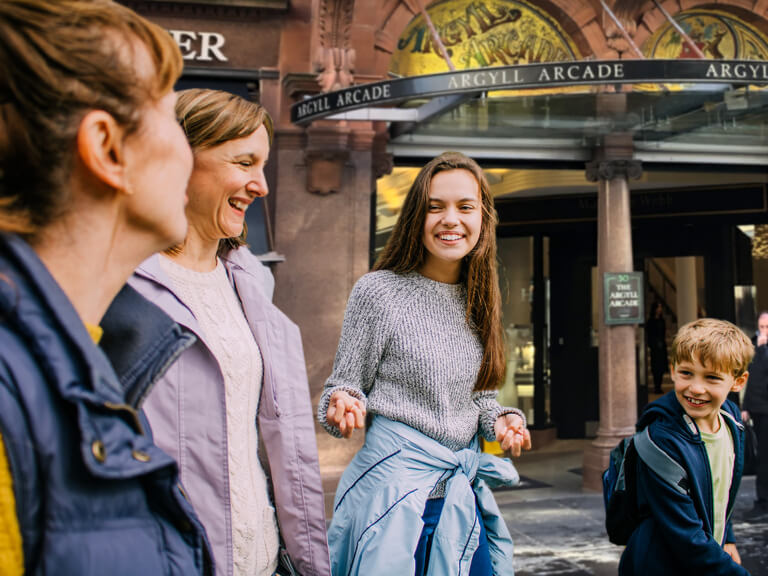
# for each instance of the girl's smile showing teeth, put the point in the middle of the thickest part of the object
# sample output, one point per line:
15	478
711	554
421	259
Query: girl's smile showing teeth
449	236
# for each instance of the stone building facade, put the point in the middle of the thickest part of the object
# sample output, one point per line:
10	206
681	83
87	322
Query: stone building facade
323	176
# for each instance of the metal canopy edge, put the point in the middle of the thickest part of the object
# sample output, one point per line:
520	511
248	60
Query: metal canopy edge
527	76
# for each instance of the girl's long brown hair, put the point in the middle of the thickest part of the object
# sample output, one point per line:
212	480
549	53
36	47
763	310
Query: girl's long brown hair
405	252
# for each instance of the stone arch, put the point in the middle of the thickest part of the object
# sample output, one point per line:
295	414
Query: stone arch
578	18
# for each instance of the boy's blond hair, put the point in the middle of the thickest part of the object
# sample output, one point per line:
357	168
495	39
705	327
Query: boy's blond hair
714	343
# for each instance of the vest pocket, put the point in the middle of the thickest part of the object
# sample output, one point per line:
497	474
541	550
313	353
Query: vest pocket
124	547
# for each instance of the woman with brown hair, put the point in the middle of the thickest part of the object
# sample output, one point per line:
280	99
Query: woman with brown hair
422	351
93	171
243	383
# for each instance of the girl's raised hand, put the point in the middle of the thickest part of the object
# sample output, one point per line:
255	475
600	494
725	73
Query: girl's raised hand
512	434
345	413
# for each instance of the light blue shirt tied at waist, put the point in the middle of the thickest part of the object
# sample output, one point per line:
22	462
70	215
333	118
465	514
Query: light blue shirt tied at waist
381	498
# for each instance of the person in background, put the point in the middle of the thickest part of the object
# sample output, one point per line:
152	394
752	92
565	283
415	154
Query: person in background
93	173
244	380
755	407
656	338
422	351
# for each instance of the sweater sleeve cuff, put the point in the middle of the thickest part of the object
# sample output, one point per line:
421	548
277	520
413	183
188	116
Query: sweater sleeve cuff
325	400
489	417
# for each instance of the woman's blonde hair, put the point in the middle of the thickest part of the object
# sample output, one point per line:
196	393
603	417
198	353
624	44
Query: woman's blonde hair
405	252
61	59
714	343
212	117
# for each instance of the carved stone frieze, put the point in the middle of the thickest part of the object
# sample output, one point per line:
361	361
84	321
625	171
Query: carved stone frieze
626	13
337	69
335	58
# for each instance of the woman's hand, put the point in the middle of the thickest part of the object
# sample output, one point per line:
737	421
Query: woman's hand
511	434
345	413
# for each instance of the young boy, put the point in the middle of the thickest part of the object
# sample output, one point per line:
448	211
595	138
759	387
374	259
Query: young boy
696	425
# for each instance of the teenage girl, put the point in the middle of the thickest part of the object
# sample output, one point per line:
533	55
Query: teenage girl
422	351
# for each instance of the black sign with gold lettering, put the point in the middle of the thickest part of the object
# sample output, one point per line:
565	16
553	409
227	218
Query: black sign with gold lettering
623	298
528	76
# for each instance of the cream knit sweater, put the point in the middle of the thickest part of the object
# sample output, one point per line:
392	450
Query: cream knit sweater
212	299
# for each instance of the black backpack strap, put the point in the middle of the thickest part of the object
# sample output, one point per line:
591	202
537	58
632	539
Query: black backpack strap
661	462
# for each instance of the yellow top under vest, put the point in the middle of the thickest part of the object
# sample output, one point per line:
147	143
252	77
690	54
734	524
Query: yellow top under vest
11	551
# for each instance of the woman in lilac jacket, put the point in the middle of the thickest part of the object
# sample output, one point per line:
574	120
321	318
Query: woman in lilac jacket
243	383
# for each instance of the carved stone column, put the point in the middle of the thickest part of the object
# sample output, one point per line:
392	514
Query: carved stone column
611	169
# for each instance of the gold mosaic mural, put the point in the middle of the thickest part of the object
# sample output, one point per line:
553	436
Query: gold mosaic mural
720	36
479	34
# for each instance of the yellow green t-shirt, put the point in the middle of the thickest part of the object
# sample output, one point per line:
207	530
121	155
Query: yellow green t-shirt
721	458
11	554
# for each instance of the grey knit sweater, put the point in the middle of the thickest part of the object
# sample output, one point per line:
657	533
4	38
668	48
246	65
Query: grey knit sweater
407	351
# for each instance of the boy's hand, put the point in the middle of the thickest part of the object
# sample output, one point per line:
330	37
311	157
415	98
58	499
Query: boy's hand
730	548
345	413
511	434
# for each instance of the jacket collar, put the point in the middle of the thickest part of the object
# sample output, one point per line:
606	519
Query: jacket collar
669	408
140	352
152	271
251	280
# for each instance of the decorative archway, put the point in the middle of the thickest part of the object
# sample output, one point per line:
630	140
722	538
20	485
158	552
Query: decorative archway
718	34
650	20
480	34
576	19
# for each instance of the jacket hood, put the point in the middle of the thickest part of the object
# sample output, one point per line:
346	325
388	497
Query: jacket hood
249	263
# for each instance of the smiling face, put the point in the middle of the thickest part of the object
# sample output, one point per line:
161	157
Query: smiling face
225	181
452	224
701	391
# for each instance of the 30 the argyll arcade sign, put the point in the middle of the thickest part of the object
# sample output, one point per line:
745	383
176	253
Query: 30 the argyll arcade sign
553	74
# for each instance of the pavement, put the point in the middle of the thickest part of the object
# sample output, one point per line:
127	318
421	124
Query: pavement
558	527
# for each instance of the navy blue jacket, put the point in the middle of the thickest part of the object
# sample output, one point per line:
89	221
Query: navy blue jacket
756	395
676	537
94	495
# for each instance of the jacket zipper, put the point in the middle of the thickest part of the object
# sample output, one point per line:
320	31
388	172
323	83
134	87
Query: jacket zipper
731	494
